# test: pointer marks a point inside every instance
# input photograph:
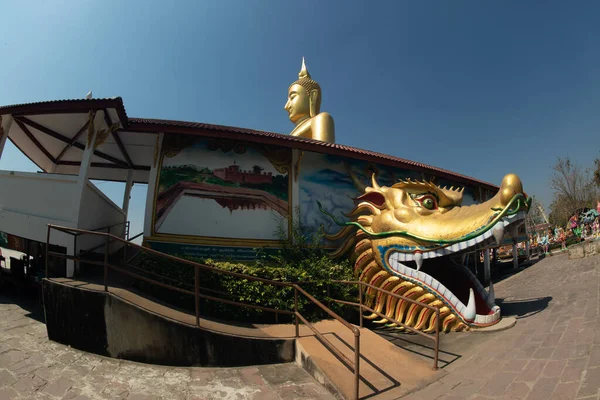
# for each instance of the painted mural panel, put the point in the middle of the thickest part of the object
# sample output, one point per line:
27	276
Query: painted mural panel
222	189
335	181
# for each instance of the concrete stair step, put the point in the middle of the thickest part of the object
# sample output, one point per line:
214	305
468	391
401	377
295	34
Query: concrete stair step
386	371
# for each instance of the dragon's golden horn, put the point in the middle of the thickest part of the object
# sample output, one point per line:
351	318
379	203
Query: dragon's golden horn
342	233
344	248
363	259
377	279
459	327
447	324
362	246
425	314
367	273
369	296
365	220
374	182
362	207
444	312
357	183
415	308
380	321
390	305
360	235
403	305
381	297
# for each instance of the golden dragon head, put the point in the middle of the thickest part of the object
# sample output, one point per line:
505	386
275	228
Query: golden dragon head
411	239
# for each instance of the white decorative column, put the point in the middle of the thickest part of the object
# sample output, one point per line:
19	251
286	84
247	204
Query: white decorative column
82	178
127	194
515	256
5	125
152	177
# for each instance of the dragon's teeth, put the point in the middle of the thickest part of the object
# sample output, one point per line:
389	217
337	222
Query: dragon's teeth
428	279
470	311
499	233
418	260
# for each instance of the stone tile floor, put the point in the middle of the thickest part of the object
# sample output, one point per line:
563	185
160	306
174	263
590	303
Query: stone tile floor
552	353
32	367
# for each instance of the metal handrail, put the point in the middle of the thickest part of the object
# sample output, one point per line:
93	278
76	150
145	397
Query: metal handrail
435	336
107	227
197	295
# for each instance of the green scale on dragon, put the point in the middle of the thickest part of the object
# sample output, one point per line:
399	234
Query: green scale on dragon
411	238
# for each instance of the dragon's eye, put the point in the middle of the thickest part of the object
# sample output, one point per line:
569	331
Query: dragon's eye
427	201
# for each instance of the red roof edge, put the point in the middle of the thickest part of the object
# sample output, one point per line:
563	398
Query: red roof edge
68	106
145	125
230	132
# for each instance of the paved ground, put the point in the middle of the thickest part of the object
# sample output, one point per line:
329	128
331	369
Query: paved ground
552	353
32	367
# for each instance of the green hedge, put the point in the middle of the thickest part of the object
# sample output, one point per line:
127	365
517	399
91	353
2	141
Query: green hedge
304	262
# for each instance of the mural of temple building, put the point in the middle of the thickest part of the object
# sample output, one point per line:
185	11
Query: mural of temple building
233	173
190	169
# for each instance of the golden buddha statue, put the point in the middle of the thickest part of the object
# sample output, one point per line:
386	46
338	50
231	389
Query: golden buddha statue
304	106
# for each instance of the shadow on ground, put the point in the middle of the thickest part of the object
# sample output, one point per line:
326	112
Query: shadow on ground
523	308
26	298
422	346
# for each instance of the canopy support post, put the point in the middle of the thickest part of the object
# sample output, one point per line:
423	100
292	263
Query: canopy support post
127	194
6	124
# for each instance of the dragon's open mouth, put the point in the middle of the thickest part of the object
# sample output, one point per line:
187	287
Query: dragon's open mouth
423	258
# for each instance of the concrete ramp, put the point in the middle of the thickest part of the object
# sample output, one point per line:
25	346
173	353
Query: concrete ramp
386	371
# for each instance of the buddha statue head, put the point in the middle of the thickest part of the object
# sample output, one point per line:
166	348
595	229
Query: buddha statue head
304	109
304	97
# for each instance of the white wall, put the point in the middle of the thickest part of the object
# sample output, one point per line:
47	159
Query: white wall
152	181
31	201
98	211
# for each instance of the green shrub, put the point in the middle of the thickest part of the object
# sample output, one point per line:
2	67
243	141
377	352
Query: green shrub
301	261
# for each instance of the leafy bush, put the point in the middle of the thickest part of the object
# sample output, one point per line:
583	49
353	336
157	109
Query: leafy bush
302	261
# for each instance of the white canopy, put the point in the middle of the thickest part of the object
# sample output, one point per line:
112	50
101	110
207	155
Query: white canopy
54	135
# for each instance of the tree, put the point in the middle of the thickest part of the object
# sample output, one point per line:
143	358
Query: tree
597	172
574	189
257	169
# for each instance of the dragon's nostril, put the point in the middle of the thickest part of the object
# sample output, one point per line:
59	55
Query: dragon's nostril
375	198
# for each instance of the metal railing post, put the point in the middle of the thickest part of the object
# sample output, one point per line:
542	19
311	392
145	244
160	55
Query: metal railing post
106	265
76	261
296	310
360	300
437	338
125	254
356	364
47	246
197	293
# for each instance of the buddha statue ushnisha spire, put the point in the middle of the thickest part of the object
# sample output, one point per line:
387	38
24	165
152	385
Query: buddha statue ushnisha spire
304	106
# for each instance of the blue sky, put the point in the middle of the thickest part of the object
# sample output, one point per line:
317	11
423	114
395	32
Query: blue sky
480	88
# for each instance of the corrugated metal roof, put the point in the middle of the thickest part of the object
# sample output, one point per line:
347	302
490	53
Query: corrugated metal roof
315	144
59	106
165	126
